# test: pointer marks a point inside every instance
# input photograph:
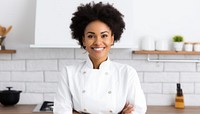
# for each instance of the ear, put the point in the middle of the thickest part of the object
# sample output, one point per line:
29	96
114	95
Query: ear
83	40
112	39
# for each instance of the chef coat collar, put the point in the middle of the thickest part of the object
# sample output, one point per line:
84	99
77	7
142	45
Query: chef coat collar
104	65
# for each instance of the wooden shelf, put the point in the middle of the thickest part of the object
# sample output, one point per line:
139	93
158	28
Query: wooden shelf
167	52
7	51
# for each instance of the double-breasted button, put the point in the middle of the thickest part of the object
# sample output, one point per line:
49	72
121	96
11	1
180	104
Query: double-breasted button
110	111
106	73
109	92
83	91
84	72
84	110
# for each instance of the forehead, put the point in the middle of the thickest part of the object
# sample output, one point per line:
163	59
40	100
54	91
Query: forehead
97	26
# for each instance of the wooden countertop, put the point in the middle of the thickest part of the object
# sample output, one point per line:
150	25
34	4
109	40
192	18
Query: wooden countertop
172	110
27	109
20	109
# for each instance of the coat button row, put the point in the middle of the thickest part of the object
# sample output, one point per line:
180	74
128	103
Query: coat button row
109	92
106	73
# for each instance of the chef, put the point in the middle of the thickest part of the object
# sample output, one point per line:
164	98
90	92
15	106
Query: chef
98	85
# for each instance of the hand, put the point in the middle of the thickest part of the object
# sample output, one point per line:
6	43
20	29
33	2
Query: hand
128	109
75	112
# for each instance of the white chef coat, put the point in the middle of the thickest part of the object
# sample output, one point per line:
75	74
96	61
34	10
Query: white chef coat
99	91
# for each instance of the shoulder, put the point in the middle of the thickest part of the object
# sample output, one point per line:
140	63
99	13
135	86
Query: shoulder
70	71
122	67
125	72
74	67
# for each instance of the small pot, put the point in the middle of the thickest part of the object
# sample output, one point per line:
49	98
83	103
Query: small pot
9	97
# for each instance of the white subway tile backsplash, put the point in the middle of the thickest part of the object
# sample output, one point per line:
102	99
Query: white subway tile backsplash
5	56
170	88
141	77
198	67
31	98
143	65
35	72
197	88
171	57
49	97
12	65
161	77
80	54
42	65
143	56
120	54
190	77
188	88
160	99
152	87
41	87
180	67
27	76
4	76
51	76
15	86
192	99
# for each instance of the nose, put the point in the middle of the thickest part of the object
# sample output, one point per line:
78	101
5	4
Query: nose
98	40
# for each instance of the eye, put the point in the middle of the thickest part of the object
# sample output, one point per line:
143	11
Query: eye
90	36
104	36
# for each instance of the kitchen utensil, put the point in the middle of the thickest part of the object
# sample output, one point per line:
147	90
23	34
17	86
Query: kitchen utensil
1	40
9	97
1	32
7	30
47	106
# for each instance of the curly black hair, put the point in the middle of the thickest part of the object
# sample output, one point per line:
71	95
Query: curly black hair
96	11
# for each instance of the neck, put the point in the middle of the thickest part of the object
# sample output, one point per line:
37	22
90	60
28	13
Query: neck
97	62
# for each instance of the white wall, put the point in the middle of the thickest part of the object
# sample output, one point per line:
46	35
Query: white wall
35	71
156	18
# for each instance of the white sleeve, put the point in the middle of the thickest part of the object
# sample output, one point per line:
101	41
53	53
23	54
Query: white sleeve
62	100
136	95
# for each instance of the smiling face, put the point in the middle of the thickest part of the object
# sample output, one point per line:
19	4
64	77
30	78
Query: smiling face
98	40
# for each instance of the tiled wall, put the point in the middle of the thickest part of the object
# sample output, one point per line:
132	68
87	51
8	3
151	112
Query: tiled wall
36	71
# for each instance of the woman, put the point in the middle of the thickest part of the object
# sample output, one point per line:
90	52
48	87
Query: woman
98	85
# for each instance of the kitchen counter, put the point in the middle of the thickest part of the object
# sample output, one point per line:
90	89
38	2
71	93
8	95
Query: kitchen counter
27	109
172	110
20	109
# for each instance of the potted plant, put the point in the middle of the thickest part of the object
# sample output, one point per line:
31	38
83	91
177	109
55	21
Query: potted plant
178	42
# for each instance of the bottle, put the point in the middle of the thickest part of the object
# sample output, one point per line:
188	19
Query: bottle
179	102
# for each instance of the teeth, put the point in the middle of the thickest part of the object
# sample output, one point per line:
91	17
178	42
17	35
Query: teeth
98	49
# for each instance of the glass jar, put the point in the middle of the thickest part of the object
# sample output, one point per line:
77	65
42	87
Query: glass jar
188	46
197	46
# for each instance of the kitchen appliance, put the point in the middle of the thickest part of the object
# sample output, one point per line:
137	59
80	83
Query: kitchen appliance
9	97
46	106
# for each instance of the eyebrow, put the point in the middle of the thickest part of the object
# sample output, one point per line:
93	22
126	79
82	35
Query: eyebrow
101	32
